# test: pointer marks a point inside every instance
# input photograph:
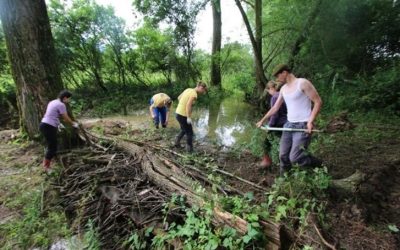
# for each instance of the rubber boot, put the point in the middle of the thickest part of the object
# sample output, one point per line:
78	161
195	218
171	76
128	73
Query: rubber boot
266	162
177	142
189	148
46	164
189	143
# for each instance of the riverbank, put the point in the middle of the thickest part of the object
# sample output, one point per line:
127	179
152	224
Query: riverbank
366	219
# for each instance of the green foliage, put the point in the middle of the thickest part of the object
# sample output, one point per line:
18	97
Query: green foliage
197	231
256	145
380	91
138	241
298	194
35	228
236	67
91	237
4	65
393	228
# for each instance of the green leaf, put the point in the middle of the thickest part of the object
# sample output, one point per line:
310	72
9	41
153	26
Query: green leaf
393	228
246	239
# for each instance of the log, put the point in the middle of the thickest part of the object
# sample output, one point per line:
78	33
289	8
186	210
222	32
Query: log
349	184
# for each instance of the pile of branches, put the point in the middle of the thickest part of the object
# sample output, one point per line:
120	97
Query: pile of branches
121	187
109	189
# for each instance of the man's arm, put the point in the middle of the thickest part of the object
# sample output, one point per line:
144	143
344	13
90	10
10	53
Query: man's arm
272	111
312	93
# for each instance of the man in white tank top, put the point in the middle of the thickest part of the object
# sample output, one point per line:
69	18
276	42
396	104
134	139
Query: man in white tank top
298	94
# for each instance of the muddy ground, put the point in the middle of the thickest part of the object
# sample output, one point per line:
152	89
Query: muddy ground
356	221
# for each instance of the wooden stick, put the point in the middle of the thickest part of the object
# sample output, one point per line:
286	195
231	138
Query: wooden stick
323	239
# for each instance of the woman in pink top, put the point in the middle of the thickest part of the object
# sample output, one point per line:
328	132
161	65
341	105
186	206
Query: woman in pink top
51	121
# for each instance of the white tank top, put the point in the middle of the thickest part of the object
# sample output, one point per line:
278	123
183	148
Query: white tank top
298	104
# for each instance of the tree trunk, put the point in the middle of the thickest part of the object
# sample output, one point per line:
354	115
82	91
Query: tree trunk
216	44
256	42
32	56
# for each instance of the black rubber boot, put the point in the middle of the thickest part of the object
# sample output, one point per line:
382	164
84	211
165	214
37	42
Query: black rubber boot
178	139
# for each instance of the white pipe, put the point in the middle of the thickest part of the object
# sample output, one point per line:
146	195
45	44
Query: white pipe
268	128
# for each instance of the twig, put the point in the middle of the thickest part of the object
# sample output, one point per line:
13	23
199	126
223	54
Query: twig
323	239
42	198
240	179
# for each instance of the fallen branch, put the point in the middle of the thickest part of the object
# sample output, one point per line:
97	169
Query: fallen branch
323	239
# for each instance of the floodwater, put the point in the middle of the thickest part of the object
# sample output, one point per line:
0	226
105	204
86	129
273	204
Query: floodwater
225	123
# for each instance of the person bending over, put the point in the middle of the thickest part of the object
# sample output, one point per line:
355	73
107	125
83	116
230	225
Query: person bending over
184	114
50	123
159	109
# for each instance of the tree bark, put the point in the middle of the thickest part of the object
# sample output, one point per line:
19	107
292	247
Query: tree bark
33	59
216	44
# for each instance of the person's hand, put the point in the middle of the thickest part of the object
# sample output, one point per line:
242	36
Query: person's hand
75	124
189	121
166	123
310	127
152	115
61	126
259	123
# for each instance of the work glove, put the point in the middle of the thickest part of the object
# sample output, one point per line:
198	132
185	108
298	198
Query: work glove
60	127
75	124
189	121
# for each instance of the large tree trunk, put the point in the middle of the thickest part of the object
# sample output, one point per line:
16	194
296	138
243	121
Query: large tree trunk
33	60
216	44
256	42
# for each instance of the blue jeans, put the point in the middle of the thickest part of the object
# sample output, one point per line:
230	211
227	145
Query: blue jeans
293	147
160	116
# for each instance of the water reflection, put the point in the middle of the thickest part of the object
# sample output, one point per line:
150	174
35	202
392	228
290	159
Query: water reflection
228	122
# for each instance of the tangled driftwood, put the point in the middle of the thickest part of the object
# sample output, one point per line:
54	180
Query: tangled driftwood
122	188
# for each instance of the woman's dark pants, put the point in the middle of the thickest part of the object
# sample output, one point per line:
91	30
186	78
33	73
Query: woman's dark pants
50	134
186	129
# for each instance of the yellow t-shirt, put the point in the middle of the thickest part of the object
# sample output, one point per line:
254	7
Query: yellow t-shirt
185	96
159	100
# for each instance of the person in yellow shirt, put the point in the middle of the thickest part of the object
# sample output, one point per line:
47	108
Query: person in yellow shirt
159	109
184	114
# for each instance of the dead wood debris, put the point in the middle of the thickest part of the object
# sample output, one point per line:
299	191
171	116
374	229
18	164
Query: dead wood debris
122	188
109	188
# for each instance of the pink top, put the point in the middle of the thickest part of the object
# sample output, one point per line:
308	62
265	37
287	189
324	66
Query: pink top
54	110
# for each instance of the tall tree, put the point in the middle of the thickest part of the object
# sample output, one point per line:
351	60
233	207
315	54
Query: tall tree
32	56
181	15
216	44
256	40
79	32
